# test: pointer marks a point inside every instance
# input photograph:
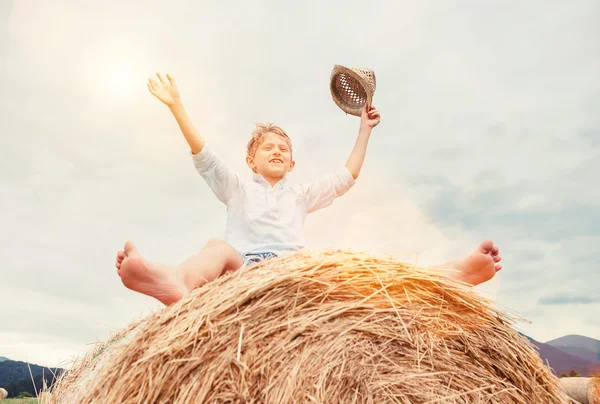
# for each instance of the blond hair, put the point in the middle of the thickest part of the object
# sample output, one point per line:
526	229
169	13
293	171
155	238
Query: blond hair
259	134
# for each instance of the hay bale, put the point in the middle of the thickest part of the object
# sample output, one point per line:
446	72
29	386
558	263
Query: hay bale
330	326
3	393
584	390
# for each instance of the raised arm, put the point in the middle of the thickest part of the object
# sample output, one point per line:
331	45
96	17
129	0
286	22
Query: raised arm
368	120
225	183
165	89
321	193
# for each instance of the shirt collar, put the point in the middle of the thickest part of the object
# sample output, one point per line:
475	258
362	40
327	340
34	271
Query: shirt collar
262	181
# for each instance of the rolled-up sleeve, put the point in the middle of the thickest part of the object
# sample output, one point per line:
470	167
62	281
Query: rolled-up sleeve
224	182
321	193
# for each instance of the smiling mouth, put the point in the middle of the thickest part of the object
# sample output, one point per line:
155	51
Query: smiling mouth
276	161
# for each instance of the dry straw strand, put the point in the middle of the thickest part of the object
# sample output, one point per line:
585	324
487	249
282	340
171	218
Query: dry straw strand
318	326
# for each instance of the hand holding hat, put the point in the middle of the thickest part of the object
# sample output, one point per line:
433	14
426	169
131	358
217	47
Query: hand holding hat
369	117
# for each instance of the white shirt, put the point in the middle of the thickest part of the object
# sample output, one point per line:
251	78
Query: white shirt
261	218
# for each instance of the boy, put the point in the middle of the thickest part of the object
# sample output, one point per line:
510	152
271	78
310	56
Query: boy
264	217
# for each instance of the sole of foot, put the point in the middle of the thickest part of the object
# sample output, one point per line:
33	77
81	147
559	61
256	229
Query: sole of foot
481	265
137	274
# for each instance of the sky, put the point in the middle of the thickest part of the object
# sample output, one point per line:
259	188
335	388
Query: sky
490	127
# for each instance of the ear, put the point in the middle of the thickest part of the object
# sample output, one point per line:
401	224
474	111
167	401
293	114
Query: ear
292	165
250	162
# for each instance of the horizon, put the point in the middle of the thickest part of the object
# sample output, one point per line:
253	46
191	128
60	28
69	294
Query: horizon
489	128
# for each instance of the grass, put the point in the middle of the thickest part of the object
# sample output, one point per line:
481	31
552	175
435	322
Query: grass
20	401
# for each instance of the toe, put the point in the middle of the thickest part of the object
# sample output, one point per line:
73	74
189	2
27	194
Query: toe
121	254
495	250
497	258
498	267
130	248
486	246
118	265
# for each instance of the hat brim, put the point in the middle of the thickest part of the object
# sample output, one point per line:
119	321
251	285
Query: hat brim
349	90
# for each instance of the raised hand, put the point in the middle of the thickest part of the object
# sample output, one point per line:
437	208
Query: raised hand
165	89
369	117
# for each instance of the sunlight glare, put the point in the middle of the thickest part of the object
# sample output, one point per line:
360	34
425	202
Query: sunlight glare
120	79
111	71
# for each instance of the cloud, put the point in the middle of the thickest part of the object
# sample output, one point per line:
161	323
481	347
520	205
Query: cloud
567	299
493	134
591	136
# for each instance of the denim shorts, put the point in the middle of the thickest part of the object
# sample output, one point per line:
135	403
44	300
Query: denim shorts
254	258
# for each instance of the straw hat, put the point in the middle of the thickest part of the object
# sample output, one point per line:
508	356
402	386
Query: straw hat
351	88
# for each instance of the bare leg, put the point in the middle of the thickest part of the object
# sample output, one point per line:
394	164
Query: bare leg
169	284
215	259
478	267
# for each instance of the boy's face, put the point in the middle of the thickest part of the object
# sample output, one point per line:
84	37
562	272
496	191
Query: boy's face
272	159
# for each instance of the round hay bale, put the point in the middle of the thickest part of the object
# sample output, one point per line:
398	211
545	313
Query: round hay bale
584	390
3	393
327	327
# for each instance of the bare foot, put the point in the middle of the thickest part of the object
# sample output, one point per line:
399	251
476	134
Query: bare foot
152	279
478	267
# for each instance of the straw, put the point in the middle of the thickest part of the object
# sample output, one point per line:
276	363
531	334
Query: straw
323	327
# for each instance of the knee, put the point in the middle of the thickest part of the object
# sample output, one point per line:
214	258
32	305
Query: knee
233	259
215	242
219	244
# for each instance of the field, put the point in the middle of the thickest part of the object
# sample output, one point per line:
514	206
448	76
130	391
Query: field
20	401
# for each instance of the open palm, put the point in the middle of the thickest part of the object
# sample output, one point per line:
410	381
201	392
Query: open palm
164	89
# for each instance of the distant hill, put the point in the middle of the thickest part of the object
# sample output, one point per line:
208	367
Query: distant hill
15	376
583	347
3	358
561	361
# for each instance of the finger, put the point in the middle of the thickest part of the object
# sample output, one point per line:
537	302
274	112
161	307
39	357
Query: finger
153	82
150	88
171	79
162	78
